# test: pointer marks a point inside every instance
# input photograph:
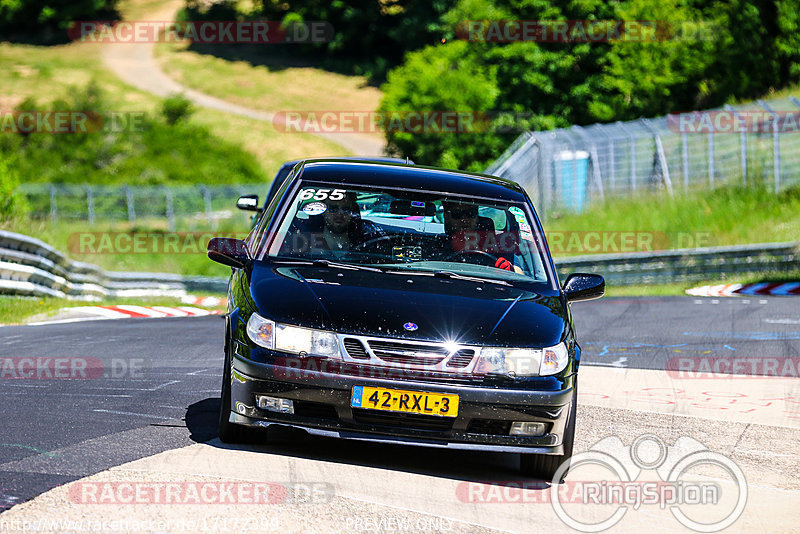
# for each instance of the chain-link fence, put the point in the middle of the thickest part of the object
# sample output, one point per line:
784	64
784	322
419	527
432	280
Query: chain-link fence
121	203
569	169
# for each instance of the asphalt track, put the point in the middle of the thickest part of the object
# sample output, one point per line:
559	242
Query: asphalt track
159	390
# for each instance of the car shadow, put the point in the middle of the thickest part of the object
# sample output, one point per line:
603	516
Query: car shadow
469	466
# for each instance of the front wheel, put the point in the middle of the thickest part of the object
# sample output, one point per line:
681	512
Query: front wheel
545	466
228	432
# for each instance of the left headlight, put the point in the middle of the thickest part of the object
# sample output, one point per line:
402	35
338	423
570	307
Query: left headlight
293	339
523	362
306	341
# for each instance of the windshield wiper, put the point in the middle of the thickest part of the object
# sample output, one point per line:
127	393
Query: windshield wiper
450	275
456	276
319	262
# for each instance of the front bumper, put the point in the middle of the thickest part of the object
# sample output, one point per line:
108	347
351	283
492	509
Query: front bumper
322	407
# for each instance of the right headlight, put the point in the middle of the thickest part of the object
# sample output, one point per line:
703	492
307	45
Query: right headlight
293	339
523	362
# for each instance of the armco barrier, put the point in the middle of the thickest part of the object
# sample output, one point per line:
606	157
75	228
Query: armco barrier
29	266
686	265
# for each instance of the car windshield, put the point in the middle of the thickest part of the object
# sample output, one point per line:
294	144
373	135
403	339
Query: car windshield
399	229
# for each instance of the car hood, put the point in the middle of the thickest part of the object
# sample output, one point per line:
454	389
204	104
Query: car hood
380	304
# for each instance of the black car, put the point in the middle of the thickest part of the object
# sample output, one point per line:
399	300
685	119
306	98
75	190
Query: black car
437	320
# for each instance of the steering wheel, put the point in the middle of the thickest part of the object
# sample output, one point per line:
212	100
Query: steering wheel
373	241
490	258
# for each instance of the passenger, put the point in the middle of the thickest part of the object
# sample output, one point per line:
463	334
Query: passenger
466	230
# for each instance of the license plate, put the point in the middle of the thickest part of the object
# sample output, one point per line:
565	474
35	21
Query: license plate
398	400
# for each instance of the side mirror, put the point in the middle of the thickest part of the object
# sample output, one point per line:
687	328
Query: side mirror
581	286
248	203
229	251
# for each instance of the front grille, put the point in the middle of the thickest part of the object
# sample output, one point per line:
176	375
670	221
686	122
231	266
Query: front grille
403	420
489	426
461	358
408	353
355	349
316	410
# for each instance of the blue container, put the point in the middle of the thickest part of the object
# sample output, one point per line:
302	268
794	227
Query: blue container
572	168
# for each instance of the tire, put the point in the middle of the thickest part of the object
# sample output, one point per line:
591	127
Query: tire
229	432
544	466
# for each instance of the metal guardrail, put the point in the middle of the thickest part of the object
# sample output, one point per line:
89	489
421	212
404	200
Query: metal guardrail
29	266
686	265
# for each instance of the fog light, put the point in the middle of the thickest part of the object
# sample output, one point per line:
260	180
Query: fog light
527	428
274	404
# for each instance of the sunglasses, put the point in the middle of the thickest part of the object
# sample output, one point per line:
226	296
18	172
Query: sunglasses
342	209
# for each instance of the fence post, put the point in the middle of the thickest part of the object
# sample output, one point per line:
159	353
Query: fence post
776	147
685	155
170	212
711	159
53	204
742	143
661	157
131	207
633	154
612	178
207	202
90	203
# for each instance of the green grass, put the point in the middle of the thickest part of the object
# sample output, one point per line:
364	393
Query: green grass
20	310
653	290
55	72
263	83
723	216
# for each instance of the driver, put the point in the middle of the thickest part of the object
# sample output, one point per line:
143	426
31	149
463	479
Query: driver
337	231
466	230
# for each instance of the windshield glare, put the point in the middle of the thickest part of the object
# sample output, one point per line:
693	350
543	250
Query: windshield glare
399	229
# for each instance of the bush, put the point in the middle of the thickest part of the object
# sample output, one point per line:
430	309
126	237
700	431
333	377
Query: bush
47	21
176	108
437	79
12	203
155	152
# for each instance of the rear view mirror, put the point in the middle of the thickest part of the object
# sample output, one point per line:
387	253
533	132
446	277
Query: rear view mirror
581	286
248	203
229	251
411	208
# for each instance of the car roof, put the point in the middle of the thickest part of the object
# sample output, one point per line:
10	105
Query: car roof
387	159
388	174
